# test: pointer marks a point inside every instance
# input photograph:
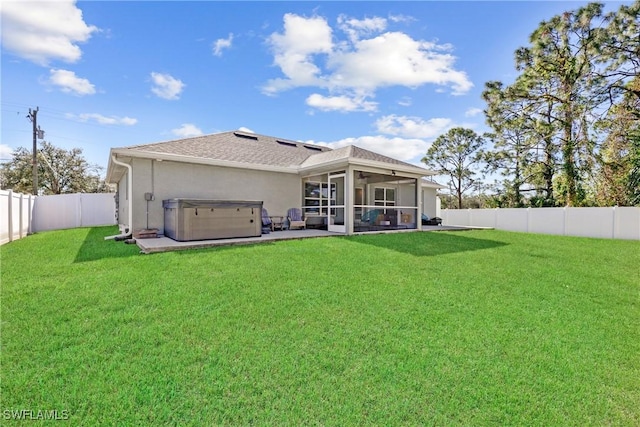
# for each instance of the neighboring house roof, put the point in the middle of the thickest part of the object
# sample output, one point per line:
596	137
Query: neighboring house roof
432	184
248	150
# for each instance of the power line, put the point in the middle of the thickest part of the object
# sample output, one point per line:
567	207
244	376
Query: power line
44	110
15	130
63	116
11	111
53	136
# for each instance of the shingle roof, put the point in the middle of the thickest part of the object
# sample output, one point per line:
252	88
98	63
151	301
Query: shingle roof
327	156
237	147
254	149
353	152
361	153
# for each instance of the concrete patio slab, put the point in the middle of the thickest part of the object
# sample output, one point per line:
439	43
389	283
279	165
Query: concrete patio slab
165	244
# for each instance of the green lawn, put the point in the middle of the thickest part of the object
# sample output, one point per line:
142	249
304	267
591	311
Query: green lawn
468	328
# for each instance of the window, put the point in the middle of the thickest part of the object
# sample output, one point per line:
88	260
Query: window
384	196
316	197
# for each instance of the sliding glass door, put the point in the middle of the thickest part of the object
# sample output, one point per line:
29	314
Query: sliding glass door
335	215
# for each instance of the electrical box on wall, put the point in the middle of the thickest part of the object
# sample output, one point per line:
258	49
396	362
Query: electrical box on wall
149	197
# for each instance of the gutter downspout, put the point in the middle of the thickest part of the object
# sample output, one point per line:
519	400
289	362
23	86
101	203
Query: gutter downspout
127	229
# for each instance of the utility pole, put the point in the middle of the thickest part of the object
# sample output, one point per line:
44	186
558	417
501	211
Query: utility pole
37	133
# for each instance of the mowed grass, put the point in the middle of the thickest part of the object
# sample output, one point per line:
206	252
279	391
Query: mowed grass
469	328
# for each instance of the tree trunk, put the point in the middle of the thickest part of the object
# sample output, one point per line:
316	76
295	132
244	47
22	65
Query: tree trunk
568	152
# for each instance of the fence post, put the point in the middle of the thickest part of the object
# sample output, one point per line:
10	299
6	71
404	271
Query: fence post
564	222
10	216
495	218
30	213
21	222
529	219
613	224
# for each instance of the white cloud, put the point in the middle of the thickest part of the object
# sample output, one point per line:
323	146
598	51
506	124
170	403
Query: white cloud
221	44
413	127
405	149
244	129
307	55
471	112
401	18
340	103
70	83
45	30
103	120
166	86
401	137
357	28
6	152
294	49
405	101
395	59
187	130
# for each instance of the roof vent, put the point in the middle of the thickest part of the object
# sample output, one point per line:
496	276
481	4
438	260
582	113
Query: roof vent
287	143
244	135
311	147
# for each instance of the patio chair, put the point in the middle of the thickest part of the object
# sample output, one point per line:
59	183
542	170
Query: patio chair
295	219
367	220
267	224
370	217
431	221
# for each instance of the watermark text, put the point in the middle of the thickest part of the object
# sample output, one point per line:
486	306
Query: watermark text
30	414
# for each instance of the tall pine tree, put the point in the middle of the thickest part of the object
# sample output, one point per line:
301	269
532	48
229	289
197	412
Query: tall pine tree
457	154
562	55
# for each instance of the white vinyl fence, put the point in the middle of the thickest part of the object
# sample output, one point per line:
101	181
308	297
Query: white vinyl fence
21	214
74	210
16	213
608	223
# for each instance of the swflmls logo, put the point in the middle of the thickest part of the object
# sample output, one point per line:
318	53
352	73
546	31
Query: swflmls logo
28	414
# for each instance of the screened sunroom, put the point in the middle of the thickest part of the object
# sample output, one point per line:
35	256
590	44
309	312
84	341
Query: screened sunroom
359	200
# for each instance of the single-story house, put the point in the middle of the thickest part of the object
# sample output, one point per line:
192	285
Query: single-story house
346	190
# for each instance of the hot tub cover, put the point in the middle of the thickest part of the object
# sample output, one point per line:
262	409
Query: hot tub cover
180	203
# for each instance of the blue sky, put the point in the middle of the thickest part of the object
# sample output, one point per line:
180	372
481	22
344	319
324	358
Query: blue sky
386	76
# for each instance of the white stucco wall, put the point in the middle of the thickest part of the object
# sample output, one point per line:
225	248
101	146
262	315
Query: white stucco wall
278	190
167	180
407	195
429	203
